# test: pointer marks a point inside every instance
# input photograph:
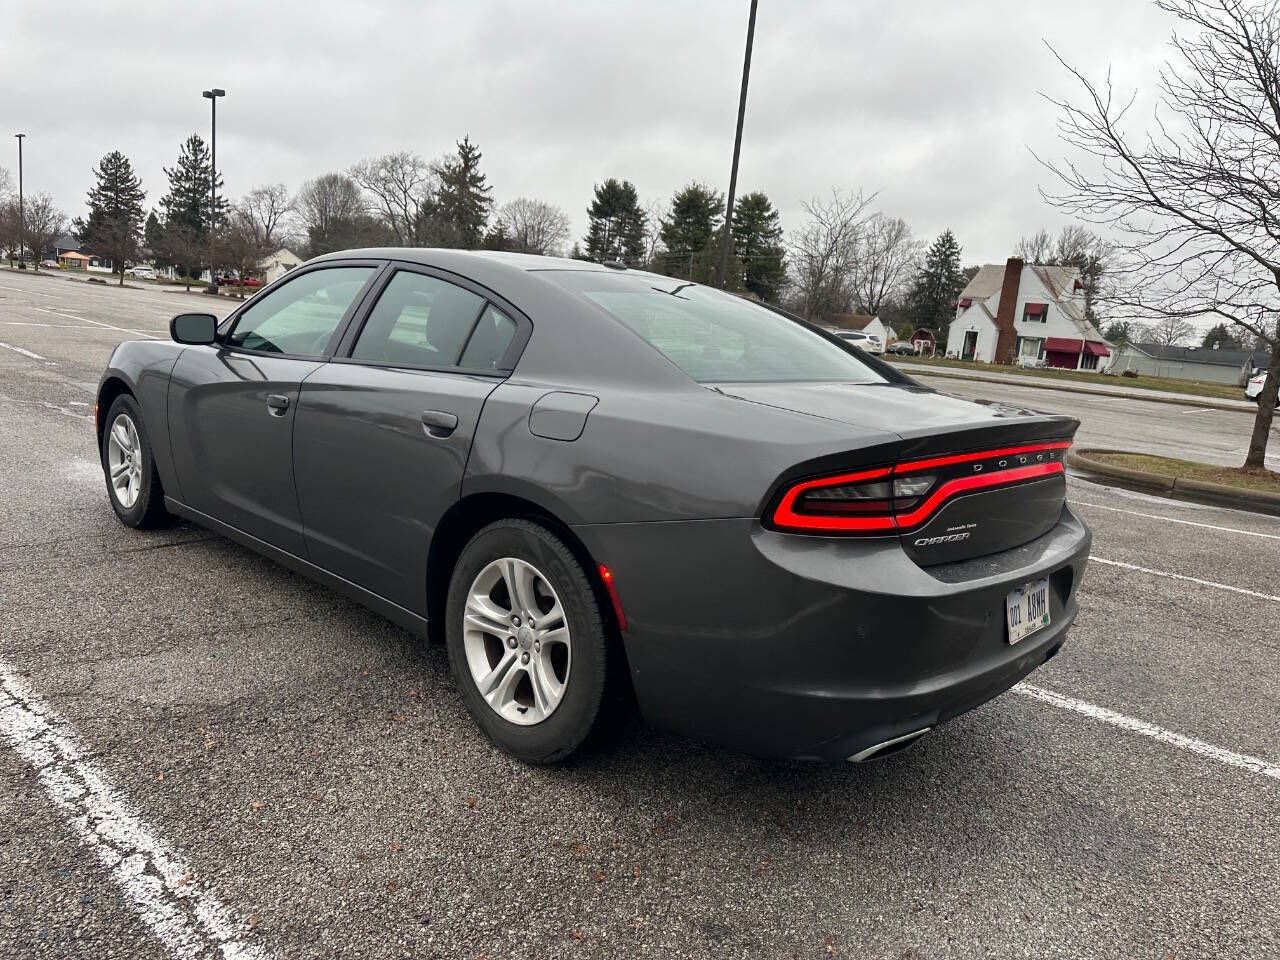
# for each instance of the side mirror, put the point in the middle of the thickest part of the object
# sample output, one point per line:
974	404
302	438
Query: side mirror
194	328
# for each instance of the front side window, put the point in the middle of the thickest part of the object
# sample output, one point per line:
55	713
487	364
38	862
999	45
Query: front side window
713	336
418	321
300	318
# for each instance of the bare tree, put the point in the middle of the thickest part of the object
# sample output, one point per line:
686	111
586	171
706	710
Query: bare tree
9	232
44	224
657	212
6	183
241	245
1168	331
1195	199
534	226
824	251
1037	248
264	210
401	187
330	208
887	256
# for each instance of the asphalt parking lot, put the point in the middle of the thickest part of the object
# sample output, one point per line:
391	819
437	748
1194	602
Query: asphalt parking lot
202	754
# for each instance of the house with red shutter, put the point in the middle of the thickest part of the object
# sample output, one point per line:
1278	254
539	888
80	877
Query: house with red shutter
1028	314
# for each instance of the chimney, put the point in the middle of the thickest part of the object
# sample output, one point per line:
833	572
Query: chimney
1006	335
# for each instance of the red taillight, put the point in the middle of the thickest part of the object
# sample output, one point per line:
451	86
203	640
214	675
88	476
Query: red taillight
606	576
887	499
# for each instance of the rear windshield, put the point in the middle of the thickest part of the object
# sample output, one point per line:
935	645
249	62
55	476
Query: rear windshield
713	336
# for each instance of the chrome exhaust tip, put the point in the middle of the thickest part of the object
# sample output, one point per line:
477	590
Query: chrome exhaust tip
886	747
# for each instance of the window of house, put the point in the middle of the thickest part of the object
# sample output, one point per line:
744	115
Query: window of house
1035	313
1030	347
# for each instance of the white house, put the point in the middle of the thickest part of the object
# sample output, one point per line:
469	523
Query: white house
1019	310
278	264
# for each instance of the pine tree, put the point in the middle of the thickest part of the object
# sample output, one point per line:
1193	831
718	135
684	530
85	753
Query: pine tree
153	237
1222	337
115	212
617	223
757	243
188	203
695	219
931	303
462	200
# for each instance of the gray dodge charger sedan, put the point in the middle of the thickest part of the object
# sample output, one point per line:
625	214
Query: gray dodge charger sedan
603	487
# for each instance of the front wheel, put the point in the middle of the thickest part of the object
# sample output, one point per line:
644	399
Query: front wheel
133	484
527	643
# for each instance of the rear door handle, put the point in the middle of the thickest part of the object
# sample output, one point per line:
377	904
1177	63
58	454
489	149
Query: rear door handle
277	404
439	423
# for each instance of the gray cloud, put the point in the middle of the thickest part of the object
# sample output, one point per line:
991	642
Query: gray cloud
933	102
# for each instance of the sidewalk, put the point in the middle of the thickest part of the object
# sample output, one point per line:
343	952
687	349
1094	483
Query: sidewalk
1098	389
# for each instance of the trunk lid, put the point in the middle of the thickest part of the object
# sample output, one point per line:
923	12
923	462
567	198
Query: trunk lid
999	479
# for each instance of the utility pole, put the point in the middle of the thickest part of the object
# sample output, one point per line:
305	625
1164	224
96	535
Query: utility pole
737	149
212	96
22	210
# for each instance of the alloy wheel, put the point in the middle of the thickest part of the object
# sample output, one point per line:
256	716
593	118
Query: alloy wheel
124	461
516	640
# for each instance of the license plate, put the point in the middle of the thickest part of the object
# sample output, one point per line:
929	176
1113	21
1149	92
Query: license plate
1027	609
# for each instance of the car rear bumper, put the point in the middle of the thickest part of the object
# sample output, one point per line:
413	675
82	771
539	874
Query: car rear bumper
820	648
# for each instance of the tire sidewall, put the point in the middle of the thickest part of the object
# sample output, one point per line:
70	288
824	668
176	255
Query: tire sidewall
137	514
571	723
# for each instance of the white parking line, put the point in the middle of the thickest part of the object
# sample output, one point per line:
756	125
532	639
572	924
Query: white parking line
1197	410
97	323
34	293
1134	725
1184	577
24	352
184	916
1189	523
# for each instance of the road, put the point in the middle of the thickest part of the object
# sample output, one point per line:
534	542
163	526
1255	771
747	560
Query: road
188	730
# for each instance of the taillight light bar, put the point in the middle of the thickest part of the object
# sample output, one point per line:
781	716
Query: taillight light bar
887	499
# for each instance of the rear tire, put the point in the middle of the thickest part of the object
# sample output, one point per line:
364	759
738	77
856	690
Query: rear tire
133	484
542	656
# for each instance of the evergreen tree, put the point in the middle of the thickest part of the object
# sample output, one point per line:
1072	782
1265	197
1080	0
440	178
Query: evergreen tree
153	236
617	223
1221	337
694	221
188	202
462	200
115	212
757	243
1119	333
932	300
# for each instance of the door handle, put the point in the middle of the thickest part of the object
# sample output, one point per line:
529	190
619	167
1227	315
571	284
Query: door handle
438	423
277	404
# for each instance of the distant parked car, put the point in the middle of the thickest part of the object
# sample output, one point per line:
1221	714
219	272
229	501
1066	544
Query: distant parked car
902	348
1253	389
864	341
49	264
1032	363
143	272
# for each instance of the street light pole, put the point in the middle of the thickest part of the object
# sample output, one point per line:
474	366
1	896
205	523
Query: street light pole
22	210
212	96
737	149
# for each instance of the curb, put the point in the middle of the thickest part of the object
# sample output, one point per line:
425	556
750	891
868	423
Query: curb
1192	400
1183	488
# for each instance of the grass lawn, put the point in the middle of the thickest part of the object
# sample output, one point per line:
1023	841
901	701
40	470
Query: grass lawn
1220	391
1266	480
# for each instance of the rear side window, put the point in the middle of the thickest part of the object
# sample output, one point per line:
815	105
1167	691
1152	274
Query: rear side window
300	317
489	342
419	321
713	336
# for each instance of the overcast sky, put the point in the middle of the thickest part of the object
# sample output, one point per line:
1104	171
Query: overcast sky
932	102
